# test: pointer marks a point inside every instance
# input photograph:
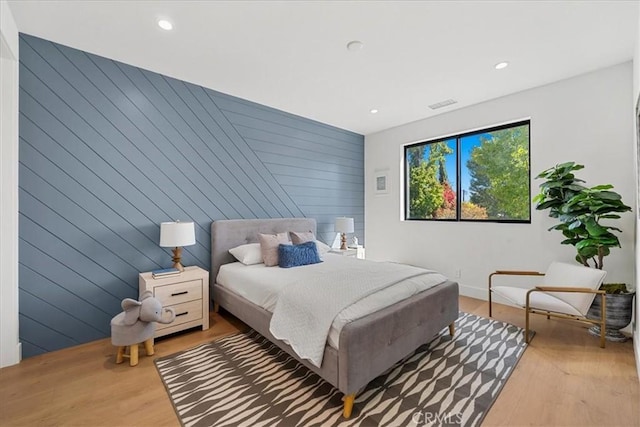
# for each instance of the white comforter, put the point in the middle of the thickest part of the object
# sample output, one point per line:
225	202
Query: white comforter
306	308
262	286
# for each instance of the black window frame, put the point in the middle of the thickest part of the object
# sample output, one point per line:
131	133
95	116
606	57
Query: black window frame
458	138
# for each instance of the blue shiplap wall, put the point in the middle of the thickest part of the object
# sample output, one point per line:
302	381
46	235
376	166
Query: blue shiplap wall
108	151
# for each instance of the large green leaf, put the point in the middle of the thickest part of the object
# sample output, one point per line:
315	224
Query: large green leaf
568	219
571	242
576	187
595	229
583	244
607	195
610	216
538	198
613	228
575	224
571	234
552	184
547	204
588	252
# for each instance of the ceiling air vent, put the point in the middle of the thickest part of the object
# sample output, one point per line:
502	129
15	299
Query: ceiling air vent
442	104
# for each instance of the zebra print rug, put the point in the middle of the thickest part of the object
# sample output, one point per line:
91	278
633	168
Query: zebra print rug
244	380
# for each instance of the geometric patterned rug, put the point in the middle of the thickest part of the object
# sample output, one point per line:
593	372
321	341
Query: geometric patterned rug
244	380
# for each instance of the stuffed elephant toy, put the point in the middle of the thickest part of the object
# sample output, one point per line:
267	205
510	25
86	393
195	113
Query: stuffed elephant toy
148	309
137	324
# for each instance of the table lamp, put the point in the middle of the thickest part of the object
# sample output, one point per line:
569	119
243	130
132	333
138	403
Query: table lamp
175	235
343	226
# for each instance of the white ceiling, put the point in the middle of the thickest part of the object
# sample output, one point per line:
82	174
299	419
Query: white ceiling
293	56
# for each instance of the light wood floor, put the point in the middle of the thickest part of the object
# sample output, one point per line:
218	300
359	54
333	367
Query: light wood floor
563	379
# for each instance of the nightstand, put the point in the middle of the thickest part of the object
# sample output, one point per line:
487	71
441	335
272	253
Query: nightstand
187	293
357	252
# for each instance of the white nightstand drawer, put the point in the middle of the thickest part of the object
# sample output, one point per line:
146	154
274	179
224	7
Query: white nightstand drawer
177	293
185	312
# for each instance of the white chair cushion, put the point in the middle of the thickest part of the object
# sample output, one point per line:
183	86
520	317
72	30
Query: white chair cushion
561	274
539	300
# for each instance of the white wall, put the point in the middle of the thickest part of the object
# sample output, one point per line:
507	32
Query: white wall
9	345
636	100
584	119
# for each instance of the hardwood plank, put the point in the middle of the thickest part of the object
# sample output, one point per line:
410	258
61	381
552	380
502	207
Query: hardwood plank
563	378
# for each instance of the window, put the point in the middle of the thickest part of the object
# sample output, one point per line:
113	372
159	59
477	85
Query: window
477	176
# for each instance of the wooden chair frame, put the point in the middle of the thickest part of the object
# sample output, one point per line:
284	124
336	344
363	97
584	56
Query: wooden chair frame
528	309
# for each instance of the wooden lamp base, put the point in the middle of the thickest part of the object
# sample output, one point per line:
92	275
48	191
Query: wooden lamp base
343	241
177	256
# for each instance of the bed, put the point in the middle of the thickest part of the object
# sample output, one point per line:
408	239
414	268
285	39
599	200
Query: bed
366	347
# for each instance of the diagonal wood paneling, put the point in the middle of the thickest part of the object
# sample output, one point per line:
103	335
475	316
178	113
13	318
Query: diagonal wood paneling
108	151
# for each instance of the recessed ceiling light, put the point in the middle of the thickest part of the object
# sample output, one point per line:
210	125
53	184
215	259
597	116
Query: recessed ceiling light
501	65
373	111
165	25
354	45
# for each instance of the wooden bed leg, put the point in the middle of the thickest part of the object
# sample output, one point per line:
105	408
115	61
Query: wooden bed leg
348	404
452	329
216	307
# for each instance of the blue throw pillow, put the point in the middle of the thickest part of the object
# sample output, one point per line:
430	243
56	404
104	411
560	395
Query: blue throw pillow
297	255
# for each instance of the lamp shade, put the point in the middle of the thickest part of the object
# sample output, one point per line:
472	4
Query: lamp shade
344	225
176	234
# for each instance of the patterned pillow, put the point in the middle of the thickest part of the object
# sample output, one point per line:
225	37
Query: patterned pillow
297	255
269	247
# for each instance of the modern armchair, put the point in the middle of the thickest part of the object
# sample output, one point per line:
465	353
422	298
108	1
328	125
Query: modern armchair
566	292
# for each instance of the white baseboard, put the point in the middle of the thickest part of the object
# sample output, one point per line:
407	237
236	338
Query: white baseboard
482	294
11	357
472	292
636	350
636	334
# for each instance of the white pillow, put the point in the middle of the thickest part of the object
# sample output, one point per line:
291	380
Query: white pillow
248	254
323	248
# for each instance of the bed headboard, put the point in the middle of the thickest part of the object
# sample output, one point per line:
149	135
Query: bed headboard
229	233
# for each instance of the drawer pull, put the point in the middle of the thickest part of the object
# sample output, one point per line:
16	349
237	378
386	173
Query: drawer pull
180	293
182	314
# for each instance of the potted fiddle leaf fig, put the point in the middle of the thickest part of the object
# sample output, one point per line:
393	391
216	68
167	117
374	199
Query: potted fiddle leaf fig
584	215
580	211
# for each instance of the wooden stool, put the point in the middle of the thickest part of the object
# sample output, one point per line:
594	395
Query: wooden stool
129	337
137	325
133	352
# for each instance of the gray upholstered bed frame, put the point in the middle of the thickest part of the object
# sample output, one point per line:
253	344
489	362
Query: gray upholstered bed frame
368	346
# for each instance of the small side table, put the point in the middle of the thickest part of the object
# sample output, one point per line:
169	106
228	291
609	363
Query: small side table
355	252
187	293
